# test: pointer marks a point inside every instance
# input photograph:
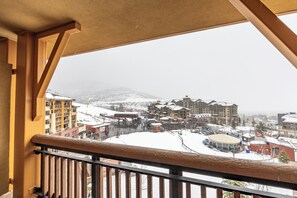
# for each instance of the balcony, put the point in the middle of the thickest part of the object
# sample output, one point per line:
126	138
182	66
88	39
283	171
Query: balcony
81	167
58	106
29	49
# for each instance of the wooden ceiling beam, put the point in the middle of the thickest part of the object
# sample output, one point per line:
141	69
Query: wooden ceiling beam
280	35
44	71
72	27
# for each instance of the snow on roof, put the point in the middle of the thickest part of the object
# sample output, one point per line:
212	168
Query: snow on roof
278	142
258	142
101	125
159	106
89	123
126	113
202	115
223	139
75	104
171	106
245	128
176	107
222	103
248	135
156	124
166	118
51	96
291	118
271	140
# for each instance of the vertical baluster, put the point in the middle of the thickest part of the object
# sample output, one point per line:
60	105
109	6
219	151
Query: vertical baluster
188	190
94	177
51	176
256	196
149	186
236	194
203	191
138	185
128	184
77	173
109	182
175	187
84	180
161	188
63	178
57	177
70	178
219	193
44	172
100	181
118	183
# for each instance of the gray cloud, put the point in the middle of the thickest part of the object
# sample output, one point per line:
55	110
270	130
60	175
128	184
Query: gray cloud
235	64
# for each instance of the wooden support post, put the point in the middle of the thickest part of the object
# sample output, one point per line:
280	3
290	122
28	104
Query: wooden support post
26	174
8	56
281	36
32	79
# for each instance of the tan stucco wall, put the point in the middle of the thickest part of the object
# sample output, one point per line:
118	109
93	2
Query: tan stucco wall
5	81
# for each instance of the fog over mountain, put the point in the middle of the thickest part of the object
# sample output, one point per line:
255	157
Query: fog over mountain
97	93
236	64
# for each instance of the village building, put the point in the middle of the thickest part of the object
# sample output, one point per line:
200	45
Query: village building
162	109
224	142
289	125
273	147
247	138
221	112
200	119
60	116
155	127
36	34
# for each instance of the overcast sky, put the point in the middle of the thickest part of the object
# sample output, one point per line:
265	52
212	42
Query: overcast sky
235	64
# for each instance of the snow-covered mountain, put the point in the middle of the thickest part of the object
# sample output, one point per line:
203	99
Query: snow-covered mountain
121	97
111	97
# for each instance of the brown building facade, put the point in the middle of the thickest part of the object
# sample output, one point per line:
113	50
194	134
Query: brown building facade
221	112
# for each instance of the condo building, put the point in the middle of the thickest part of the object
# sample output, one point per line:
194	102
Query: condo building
60	114
221	112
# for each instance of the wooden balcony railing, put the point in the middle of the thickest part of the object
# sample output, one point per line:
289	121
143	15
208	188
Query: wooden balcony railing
83	168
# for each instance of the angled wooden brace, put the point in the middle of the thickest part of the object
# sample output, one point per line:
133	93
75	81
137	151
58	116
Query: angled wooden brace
44	71
280	35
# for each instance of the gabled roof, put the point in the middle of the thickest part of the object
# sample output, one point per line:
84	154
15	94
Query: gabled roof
107	24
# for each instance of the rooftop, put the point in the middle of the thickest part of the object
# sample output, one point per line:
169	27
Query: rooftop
223	139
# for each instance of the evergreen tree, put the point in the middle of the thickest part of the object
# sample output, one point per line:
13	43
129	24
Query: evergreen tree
260	126
121	107
253	122
227	194
243	123
283	157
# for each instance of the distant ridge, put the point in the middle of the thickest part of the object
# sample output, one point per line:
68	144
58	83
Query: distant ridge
128	98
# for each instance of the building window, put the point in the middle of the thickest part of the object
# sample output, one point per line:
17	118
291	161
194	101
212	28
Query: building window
275	151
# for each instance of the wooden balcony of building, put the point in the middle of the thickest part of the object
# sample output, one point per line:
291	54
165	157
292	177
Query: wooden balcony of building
82	168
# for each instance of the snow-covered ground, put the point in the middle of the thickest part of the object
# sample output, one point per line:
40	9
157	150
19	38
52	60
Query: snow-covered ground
171	141
89	113
193	142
